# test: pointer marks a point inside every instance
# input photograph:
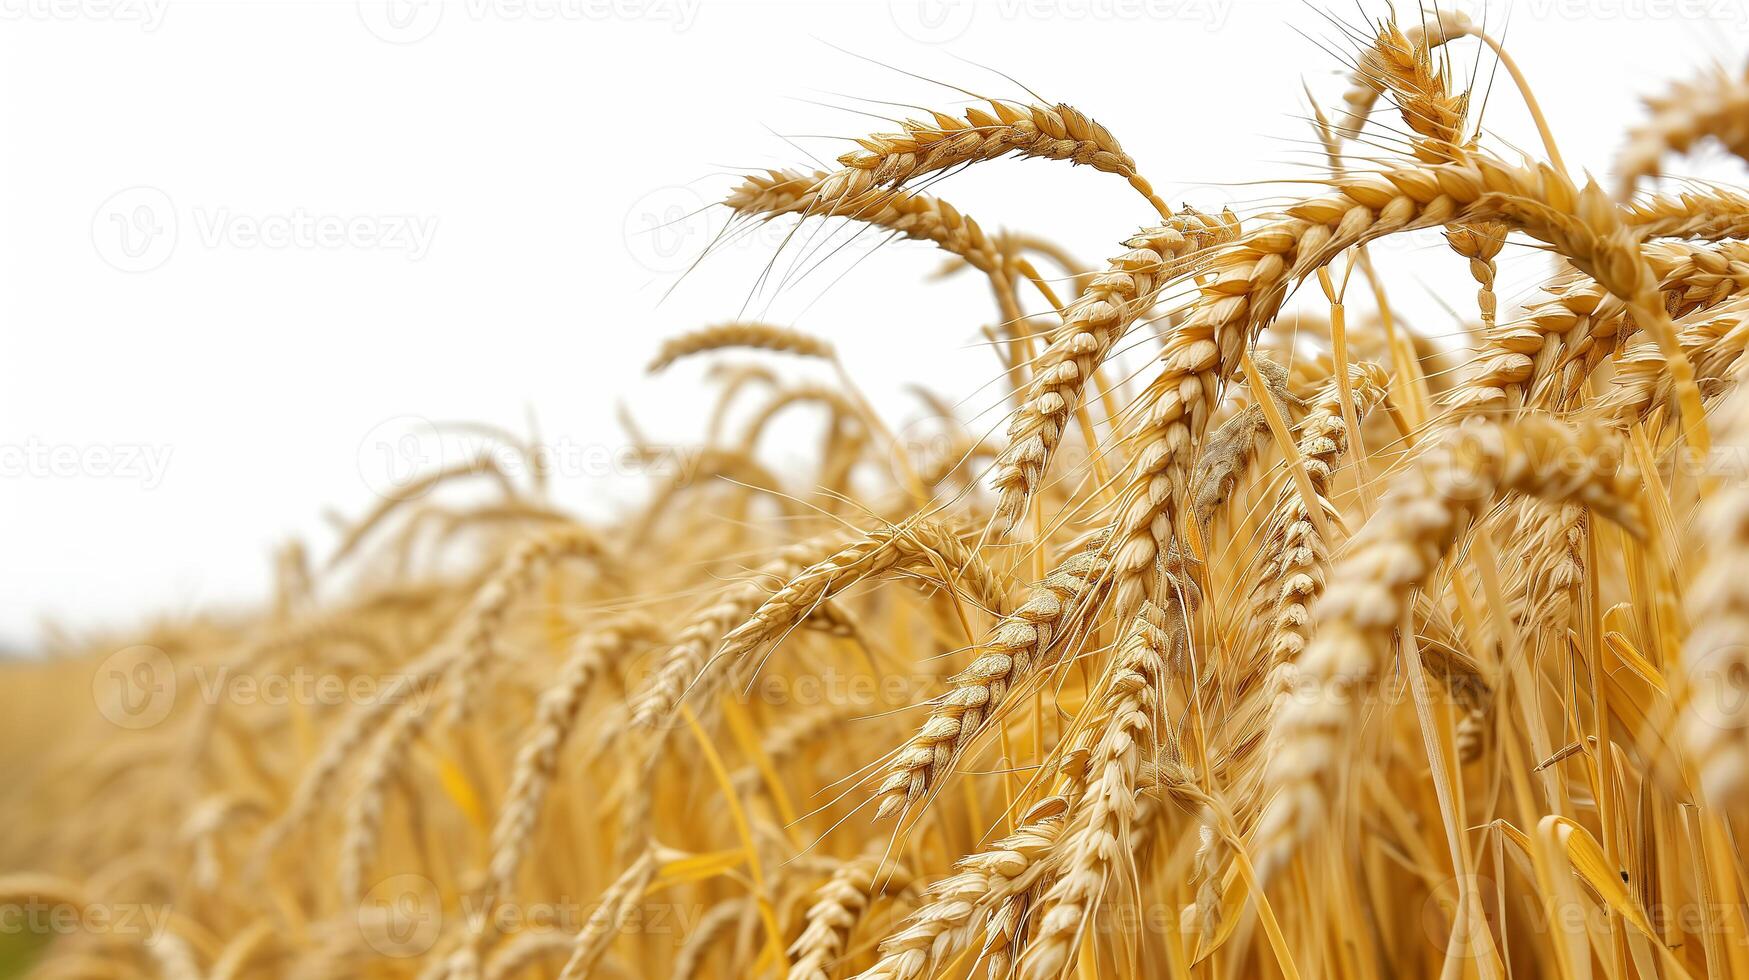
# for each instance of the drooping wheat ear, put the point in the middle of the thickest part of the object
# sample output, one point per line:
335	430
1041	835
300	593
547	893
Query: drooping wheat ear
361	837
1713	722
472	635
838	906
925	549
1233	444
1437	115
537	761
1249	280
1713	339
348	743
1059	132
744	334
837	404
1091	328
1714	214
467	646
1427	509
1715	105
1556	342
685	659
933	934
1097	844
1024	641
611	913
918	216
1295	555
1401	61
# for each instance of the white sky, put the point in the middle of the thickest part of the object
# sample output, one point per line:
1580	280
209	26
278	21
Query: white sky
245	242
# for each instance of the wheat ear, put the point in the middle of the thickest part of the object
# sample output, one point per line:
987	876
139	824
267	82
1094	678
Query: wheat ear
1296	556
1711	215
1395	554
838	906
1091	329
1097	842
915	215
537	761
685	659
1713	723
472	636
942	927
1716	106
1058	132
610	914
1250	279
918	547
1024	641
742	334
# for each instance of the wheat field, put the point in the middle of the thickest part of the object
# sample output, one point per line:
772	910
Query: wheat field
1265	634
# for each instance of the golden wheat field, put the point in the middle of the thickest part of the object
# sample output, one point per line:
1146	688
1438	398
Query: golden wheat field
1266	634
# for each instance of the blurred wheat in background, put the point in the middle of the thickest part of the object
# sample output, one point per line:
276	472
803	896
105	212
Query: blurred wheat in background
1267	637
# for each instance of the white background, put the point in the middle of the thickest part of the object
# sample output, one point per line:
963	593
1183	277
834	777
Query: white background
553	155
